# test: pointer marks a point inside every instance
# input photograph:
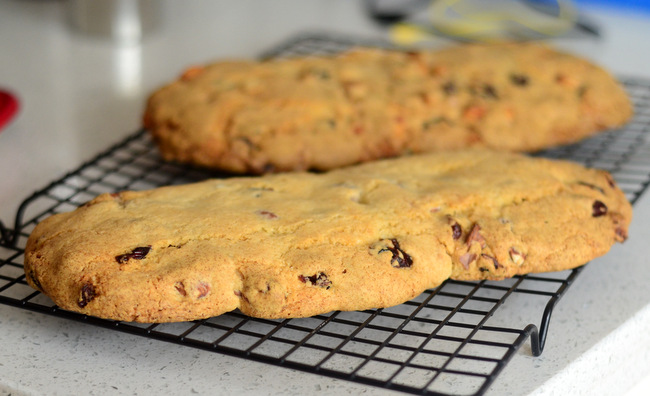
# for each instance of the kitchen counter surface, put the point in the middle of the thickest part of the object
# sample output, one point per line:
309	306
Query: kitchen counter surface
80	94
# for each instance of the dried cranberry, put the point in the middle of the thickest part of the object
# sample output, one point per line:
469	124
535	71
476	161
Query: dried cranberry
320	280
490	92
203	289
180	288
138	254
456	231
267	214
599	209
494	260
87	294
400	259
519	79
449	88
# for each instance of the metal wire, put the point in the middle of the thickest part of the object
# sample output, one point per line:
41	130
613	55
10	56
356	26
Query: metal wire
458	333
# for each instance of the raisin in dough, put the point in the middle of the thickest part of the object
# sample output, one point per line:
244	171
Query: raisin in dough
295	245
327	112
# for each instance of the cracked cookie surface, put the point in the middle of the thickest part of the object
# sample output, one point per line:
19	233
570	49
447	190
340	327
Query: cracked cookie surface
326	112
294	245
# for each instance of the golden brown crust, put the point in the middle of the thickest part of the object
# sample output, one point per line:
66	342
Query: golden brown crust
293	245
326	112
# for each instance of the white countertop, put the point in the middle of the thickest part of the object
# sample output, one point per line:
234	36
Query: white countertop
79	95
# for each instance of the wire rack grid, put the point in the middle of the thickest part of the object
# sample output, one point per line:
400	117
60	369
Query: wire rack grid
451	340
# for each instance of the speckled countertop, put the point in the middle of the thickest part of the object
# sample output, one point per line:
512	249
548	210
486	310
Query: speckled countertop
80	95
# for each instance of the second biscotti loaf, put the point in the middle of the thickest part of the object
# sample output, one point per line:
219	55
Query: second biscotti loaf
326	112
301	244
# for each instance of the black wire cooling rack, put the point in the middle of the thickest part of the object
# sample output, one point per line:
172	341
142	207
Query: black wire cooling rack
455	339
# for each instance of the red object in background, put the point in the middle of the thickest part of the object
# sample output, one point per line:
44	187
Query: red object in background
8	107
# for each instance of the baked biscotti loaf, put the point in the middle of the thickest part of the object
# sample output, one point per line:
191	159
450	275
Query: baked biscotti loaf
322	113
300	244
